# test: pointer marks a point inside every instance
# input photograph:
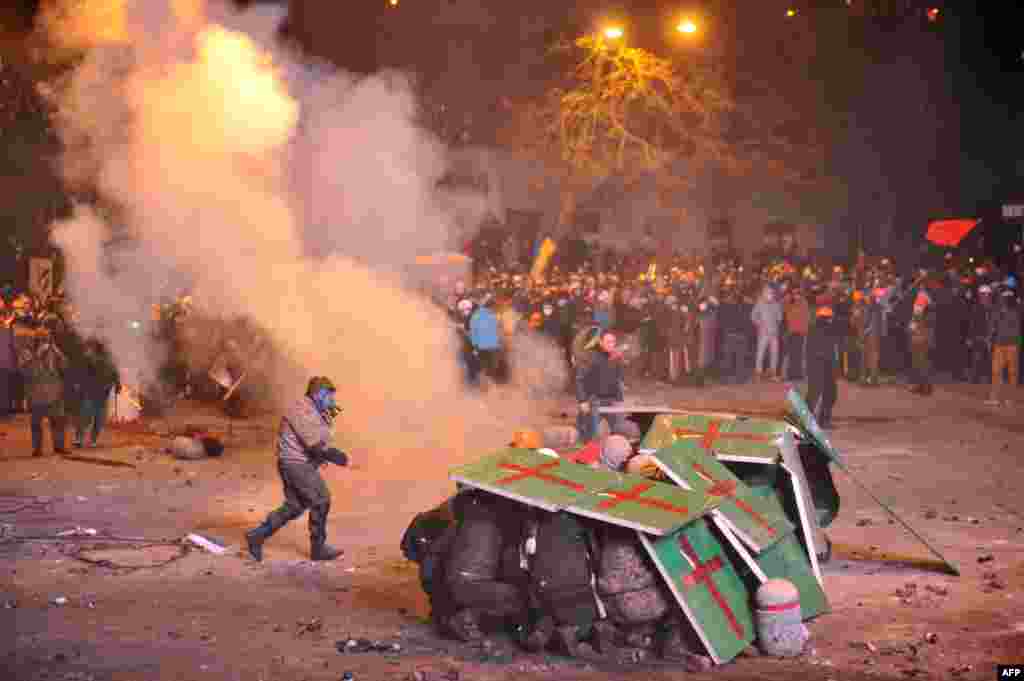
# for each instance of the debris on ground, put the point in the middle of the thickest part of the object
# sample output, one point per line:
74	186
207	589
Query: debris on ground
206	543
992	582
197	446
314	625
446	675
365	645
78	532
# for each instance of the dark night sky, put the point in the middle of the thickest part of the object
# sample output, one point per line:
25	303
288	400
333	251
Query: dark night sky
971	60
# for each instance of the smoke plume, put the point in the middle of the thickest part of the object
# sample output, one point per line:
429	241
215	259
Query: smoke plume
285	192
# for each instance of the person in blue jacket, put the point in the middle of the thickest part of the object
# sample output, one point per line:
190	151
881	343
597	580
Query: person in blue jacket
485	337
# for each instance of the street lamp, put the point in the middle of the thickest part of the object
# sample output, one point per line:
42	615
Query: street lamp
687	26
613	32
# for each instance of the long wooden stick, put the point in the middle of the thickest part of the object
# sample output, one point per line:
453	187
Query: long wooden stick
953	569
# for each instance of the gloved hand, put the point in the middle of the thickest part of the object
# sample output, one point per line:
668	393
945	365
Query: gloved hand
335	456
584	407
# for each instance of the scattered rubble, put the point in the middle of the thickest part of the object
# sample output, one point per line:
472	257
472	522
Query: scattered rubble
314	625
449	675
78	532
365	645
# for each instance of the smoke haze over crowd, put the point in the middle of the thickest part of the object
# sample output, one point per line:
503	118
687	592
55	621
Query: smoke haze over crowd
282	191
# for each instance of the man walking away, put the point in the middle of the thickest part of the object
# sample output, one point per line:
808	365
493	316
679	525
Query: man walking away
1006	330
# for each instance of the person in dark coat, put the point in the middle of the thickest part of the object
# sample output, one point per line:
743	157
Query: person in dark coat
823	344
95	377
599	384
979	344
736	327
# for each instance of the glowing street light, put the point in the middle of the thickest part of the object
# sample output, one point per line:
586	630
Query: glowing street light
790	12
613	32
393	3
687	26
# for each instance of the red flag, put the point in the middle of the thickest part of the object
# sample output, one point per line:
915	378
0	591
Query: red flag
950	232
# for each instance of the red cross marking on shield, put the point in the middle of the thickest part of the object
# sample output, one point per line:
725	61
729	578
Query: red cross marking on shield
633	494
525	472
704	573
727	490
714	433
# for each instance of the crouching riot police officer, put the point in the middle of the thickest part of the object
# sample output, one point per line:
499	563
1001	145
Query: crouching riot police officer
302	447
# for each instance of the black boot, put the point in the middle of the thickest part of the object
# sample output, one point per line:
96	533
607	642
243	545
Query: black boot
255	539
275	521
319	549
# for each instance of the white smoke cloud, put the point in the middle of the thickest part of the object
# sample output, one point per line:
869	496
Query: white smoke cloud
287	193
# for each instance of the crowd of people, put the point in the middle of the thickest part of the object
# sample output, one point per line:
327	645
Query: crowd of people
50	371
679	319
685	320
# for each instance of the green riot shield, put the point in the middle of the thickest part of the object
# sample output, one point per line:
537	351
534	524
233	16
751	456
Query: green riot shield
807	423
556	484
701	577
690	466
730	437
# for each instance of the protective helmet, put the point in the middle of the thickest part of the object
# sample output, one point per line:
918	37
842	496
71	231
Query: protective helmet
317	383
615	451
